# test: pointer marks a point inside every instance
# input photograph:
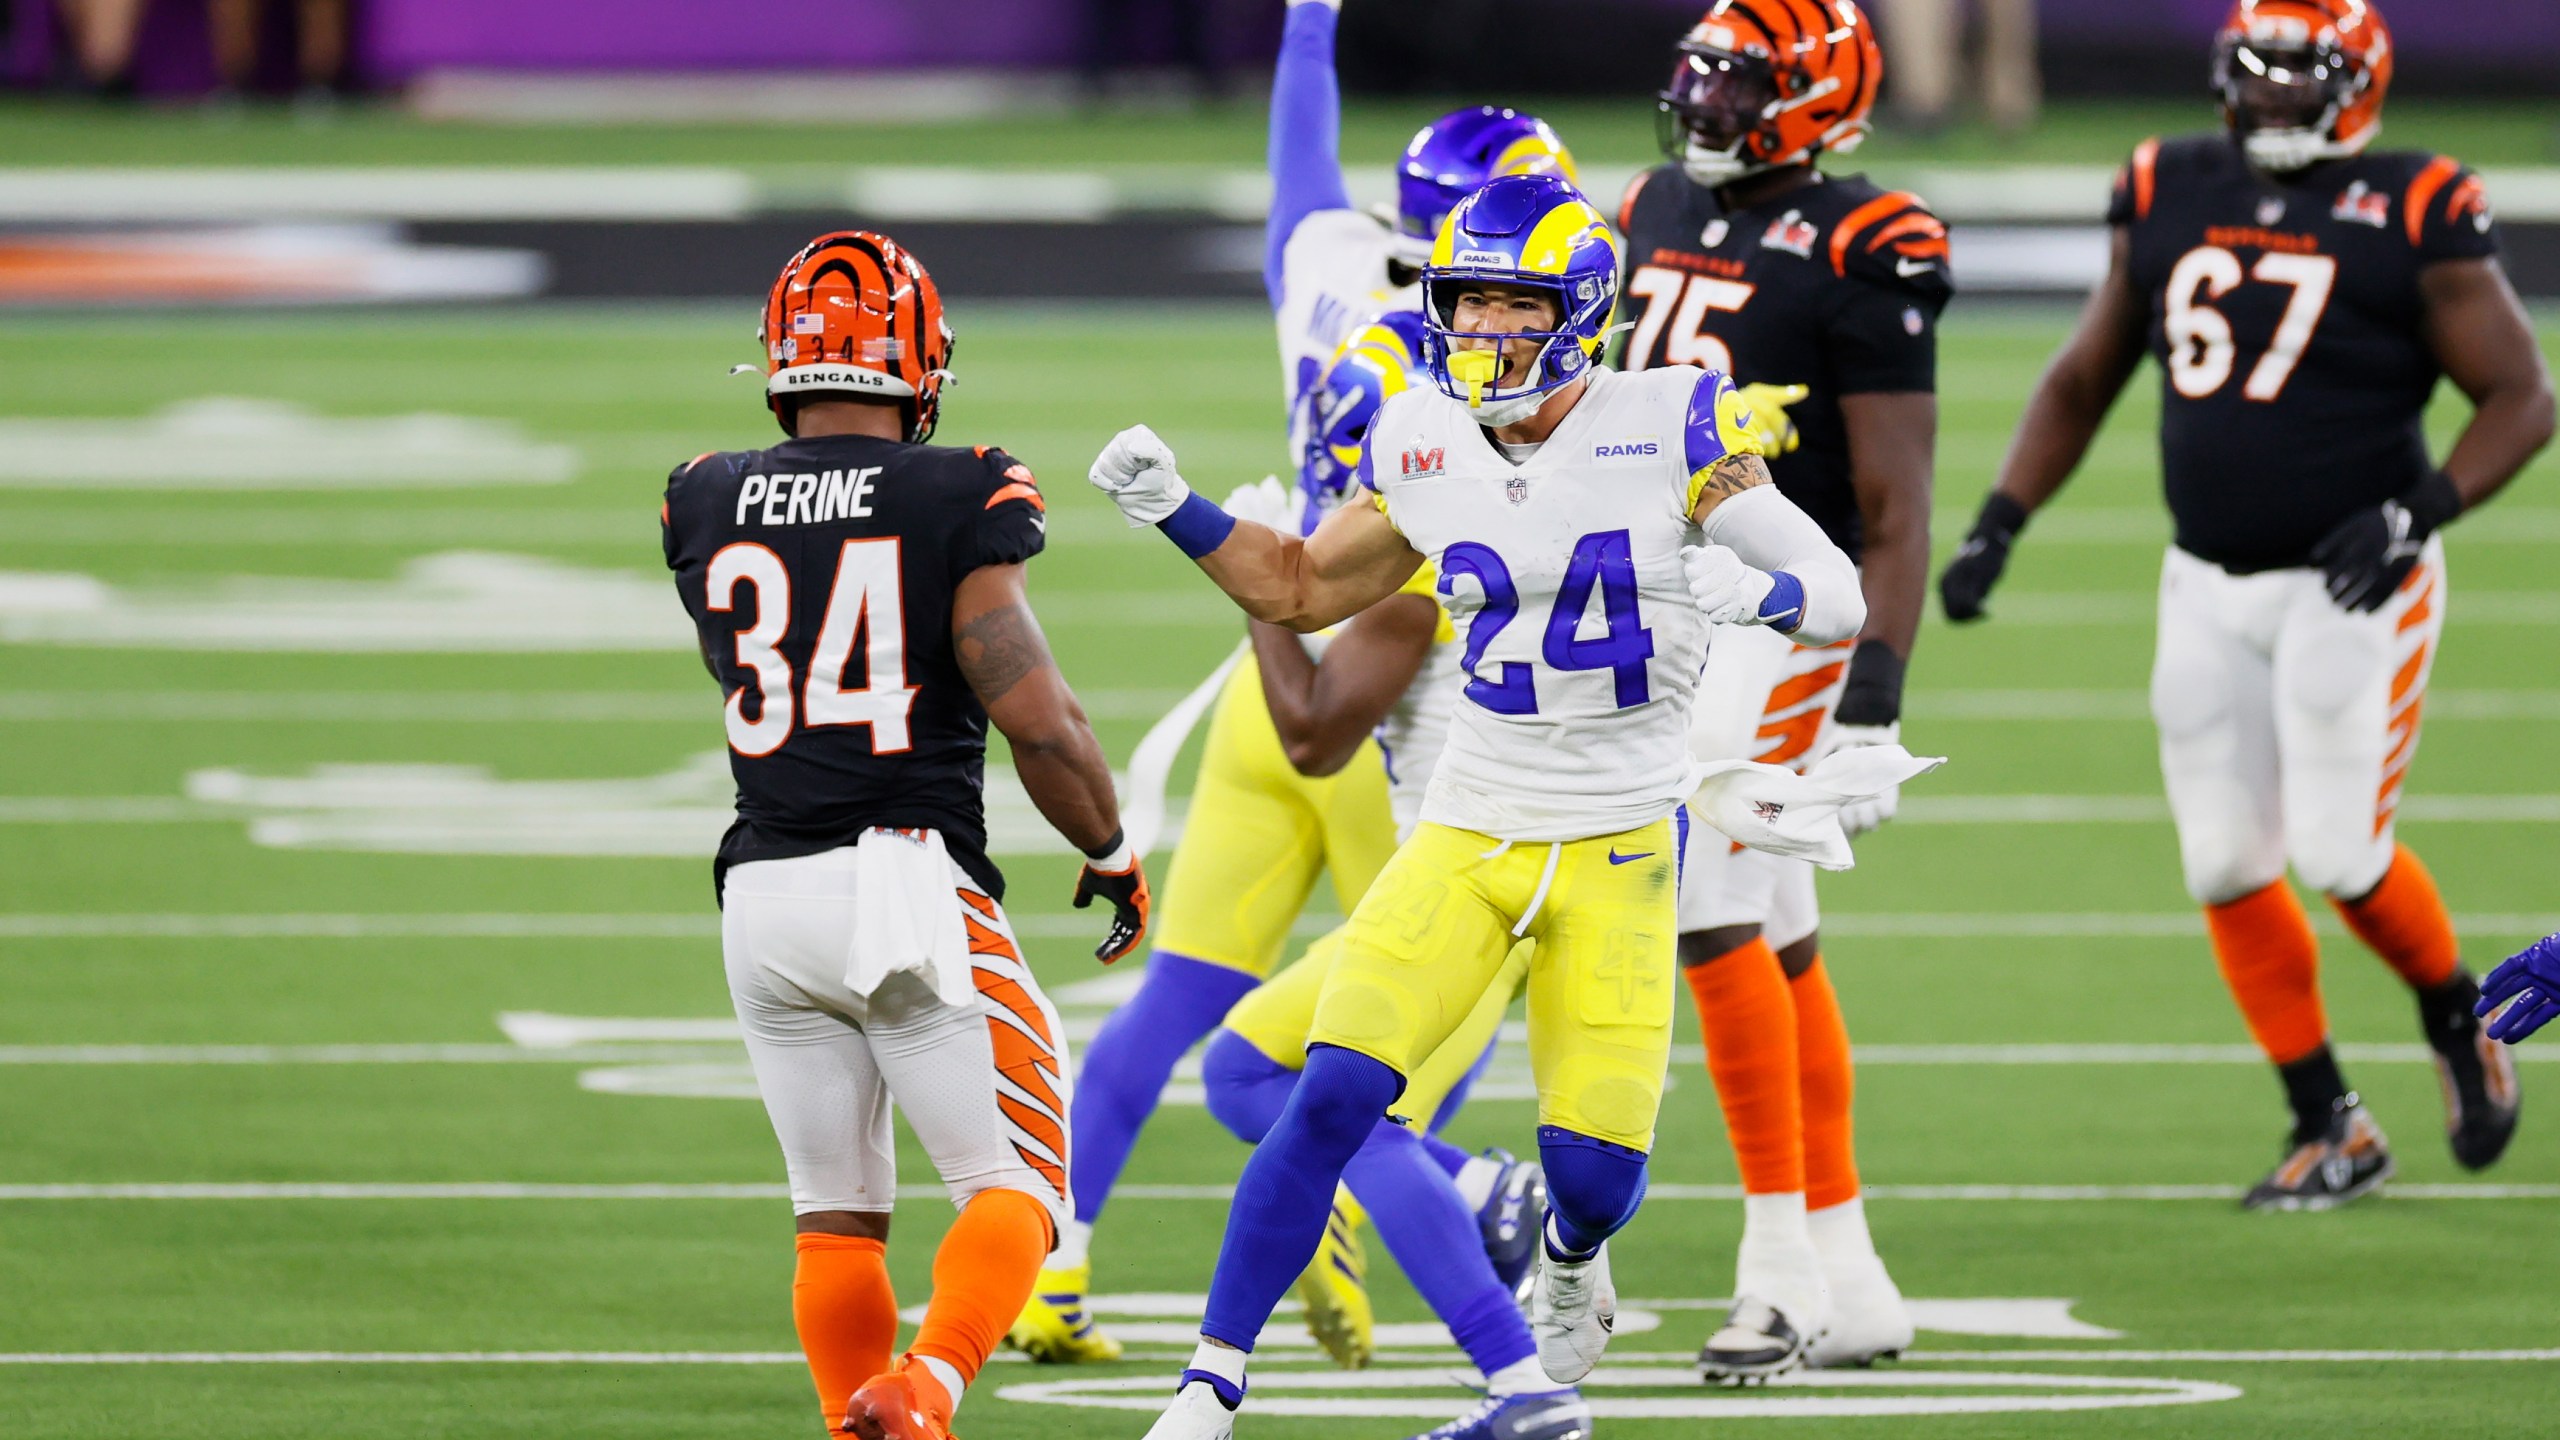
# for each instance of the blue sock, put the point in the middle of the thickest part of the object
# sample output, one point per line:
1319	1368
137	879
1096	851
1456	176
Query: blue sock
1593	1189
1445	1155
1457	1096
1286	1193
1246	1088
1434	1237
1131	1058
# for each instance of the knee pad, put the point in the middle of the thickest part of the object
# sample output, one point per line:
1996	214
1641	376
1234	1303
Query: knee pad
1344	1094
1593	1186
1246	1089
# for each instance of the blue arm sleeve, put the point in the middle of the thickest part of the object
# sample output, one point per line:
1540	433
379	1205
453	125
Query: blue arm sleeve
1306	134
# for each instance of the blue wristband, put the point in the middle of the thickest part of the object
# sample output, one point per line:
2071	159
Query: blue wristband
1200	527
1783	610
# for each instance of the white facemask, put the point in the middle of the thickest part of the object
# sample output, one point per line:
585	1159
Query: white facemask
1494	414
2284	151
1712	168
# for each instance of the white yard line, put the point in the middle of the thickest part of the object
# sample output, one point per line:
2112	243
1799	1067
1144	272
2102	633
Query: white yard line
499	707
1213	1194
2020	809
686	925
445	706
1412	1357
635	925
691	1042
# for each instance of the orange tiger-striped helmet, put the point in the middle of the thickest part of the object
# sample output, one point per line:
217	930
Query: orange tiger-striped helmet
1764	83
854	313
2302	80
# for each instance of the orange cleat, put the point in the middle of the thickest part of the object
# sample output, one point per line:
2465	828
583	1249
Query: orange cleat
900	1404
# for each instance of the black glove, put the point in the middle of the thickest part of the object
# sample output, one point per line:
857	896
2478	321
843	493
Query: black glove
1115	875
2370	552
1968	578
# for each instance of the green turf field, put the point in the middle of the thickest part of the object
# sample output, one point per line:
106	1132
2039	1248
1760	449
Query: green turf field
55	132
223	989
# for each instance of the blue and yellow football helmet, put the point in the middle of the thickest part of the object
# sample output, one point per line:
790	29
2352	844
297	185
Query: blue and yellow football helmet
1531	232
1382	357
1453	156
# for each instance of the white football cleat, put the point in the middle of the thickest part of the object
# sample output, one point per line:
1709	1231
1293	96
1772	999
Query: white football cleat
1195	1414
1781	1306
1572	1313
1869	1322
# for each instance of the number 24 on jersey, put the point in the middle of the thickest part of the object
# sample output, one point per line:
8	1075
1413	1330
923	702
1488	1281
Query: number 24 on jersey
1603	562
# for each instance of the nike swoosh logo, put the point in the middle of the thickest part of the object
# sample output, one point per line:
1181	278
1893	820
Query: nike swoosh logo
1617	859
1908	268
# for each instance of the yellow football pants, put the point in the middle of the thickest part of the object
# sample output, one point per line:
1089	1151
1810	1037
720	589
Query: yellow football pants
1275	1019
1430	938
1259	833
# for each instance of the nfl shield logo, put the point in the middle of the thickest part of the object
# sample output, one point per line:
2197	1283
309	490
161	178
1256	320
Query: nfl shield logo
1516	489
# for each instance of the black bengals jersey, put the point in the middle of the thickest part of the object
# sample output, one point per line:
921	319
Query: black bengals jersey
819	575
1835	286
2286	317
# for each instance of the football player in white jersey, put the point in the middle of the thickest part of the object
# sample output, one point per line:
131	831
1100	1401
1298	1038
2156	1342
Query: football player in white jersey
1236	886
1327	265
1541	488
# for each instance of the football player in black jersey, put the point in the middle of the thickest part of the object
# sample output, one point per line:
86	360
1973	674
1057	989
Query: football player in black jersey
859	596
1820	294
2302	295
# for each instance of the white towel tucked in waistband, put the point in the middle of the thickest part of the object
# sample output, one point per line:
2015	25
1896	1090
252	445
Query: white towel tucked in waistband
907	915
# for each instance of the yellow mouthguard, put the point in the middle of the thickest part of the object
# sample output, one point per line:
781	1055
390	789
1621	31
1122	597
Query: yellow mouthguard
1474	369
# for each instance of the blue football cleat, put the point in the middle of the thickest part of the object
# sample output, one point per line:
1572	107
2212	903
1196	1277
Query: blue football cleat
1509	1220
1553	1415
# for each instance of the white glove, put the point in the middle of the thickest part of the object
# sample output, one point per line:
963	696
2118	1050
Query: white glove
1266	502
1725	590
1859	816
1136	471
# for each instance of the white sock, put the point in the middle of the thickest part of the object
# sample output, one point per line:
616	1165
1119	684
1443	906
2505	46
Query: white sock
1075	1247
1475	1180
1521	1377
1556	1250
949	1375
1840	1231
1218	1360
1775	1219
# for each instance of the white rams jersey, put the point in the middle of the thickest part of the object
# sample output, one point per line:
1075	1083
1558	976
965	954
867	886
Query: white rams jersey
1333	275
1562	575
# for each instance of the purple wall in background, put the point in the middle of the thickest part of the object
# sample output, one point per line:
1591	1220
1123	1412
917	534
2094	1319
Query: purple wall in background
412	35
2498	30
397	39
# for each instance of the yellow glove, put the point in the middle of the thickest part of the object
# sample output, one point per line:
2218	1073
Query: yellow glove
1769	423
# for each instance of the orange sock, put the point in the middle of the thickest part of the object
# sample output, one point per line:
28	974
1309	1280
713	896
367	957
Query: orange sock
2404	922
1830	1084
1750	1029
982	1276
2271	961
846	1315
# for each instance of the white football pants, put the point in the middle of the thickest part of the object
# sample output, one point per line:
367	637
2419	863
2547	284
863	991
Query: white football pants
984	1085
2287	723
1761	697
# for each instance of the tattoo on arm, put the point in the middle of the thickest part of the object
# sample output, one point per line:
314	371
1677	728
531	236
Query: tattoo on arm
999	648
1734	474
